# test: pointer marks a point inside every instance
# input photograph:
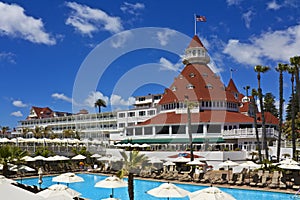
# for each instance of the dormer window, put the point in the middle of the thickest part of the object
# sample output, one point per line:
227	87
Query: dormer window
205	74
209	86
180	76
194	52
192	75
174	88
190	86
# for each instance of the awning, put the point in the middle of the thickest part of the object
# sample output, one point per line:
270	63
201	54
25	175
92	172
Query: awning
172	140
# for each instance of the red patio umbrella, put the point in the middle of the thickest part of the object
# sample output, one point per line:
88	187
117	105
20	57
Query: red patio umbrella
186	155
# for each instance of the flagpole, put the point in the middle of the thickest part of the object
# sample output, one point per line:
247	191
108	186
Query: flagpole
195	26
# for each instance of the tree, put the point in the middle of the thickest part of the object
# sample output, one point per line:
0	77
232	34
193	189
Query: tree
280	68
10	154
292	70
269	104
295	61
100	103
254	107
262	69
132	162
4	130
288	115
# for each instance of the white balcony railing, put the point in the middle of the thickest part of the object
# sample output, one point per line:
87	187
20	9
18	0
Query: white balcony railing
248	133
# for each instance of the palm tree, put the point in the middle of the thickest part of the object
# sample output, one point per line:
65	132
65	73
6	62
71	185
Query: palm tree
4	129
295	61
10	154
253	102
100	103
262	69
280	68
292	70
132	162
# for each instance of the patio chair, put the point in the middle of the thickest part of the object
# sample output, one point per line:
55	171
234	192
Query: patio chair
223	179
240	180
275	180
255	180
282	180
206	178
184	177
296	184
263	180
234	179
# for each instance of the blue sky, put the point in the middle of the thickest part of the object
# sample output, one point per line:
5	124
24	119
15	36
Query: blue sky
45	44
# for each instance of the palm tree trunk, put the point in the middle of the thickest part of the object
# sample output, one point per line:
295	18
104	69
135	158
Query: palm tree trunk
297	84
280	114
256	130
260	96
190	132
130	186
293	119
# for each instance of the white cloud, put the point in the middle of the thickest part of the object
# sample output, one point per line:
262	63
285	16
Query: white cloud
273	5
247	17
61	97
87	20
17	114
116	100
15	23
93	97
19	104
163	36
121	39
273	45
132	8
167	65
233	2
7	57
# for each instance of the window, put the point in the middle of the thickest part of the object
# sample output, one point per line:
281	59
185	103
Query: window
142	98
121	115
190	86
131	114
209	86
142	113
192	75
121	125
151	112
131	124
174	88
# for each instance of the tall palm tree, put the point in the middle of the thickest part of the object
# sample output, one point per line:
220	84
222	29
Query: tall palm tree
262	69
295	61
132	162
280	68
253	103
292	70
4	129
100	103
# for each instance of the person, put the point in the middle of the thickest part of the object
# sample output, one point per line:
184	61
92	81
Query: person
196	174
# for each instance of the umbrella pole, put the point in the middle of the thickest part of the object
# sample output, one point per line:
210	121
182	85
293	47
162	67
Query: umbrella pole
112	192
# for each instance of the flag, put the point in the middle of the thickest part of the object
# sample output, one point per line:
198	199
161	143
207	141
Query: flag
200	18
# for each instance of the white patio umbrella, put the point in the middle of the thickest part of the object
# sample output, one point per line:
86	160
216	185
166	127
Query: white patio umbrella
289	166
67	178
168	190
228	164
111	182
210	193
23	168
9	191
195	162
28	158
95	155
181	159
58	191
39	158
289	161
168	163
79	157
3	180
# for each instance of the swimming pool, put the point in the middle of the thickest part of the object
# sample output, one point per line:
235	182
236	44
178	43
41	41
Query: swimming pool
88	190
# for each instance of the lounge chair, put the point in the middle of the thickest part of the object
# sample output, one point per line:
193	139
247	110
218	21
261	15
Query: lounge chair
275	180
282	180
255	180
223	179
263	180
234	179
296	184
184	177
240	180
206	178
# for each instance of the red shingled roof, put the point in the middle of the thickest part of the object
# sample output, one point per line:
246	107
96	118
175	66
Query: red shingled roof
231	87
196	42
205	116
270	119
206	86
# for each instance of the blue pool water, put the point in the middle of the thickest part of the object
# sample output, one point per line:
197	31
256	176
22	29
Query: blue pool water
88	190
